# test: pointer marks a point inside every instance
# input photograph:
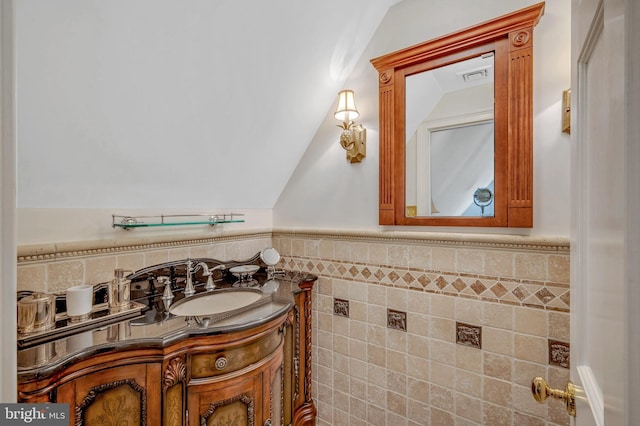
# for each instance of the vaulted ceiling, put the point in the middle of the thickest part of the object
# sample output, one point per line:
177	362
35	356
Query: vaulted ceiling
167	103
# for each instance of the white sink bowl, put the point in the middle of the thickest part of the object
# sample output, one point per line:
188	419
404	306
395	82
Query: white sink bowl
217	302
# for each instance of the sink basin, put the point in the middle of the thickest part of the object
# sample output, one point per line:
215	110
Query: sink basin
217	302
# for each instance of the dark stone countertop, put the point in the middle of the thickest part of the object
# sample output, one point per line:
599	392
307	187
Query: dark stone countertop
155	328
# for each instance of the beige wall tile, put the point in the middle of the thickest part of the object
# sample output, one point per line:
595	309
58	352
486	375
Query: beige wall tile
99	269
419	302
418	389
523	401
297	247
525	371
396	382
559	269
443	259
397	361
418	346
442	374
498	316
468	383
62	275
441	398
441	418
360	252
157	257
377	355
358	349
397	298
312	248
496	416
443	306
397	340
497	391
417	324
418	368
132	262
377	295
470	261
442	351
497	340
377	334
531	321
357	329
376	376
559	326
469	408
325	249
468	358
498	366
399	255
443	329
194	252
419	257
417	411
468	311
397	404
499	264
33	278
531	266
378	254
530	348
358	291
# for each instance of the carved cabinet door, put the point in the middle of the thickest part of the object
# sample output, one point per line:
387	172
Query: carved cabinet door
114	396
237	399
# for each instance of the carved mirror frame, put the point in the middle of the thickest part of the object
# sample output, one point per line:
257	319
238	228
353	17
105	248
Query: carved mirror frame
510	37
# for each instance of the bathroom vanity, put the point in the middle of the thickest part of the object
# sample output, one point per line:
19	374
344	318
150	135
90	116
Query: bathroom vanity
249	368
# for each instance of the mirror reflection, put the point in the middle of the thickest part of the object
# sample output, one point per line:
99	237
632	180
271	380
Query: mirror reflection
449	137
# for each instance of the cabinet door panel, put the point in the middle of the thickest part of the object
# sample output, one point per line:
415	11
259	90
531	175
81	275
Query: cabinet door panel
226	403
118	395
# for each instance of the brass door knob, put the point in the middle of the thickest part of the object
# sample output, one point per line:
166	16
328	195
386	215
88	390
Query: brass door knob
541	391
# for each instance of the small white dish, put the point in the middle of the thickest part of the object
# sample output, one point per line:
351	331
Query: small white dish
270	256
244	270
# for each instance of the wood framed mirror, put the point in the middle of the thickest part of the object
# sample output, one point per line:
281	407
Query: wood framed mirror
456	127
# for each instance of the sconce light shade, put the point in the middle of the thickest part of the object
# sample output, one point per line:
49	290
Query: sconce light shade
353	137
346	109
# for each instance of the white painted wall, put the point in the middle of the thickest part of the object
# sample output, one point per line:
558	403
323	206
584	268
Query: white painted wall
326	191
173	104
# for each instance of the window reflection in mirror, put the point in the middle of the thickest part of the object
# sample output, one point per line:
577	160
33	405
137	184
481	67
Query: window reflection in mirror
450	140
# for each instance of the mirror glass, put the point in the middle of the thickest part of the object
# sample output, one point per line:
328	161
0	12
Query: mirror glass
449	140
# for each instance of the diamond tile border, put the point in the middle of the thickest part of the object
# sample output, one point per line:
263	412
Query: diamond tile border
517	292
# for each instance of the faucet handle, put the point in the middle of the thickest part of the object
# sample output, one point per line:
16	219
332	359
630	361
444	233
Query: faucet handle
167	294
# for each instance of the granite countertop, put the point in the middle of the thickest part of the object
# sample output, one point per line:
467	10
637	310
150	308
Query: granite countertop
154	328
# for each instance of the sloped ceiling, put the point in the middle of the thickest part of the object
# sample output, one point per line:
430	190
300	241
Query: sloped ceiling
170	103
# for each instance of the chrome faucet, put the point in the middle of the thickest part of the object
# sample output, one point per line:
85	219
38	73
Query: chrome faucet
188	288
206	272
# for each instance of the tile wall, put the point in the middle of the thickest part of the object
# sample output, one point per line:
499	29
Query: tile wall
408	330
61	266
511	295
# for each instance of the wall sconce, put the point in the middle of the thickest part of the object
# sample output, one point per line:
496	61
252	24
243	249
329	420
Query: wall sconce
354	137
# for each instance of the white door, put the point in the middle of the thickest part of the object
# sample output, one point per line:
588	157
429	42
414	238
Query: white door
604	234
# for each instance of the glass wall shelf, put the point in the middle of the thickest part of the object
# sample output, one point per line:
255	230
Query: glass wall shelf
130	222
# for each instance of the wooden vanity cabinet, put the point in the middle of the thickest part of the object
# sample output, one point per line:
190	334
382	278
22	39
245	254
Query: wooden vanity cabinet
257	376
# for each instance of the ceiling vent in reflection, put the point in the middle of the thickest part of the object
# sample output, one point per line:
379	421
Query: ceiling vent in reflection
475	75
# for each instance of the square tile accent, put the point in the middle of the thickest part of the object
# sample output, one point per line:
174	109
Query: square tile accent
397	320
341	307
468	335
559	353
